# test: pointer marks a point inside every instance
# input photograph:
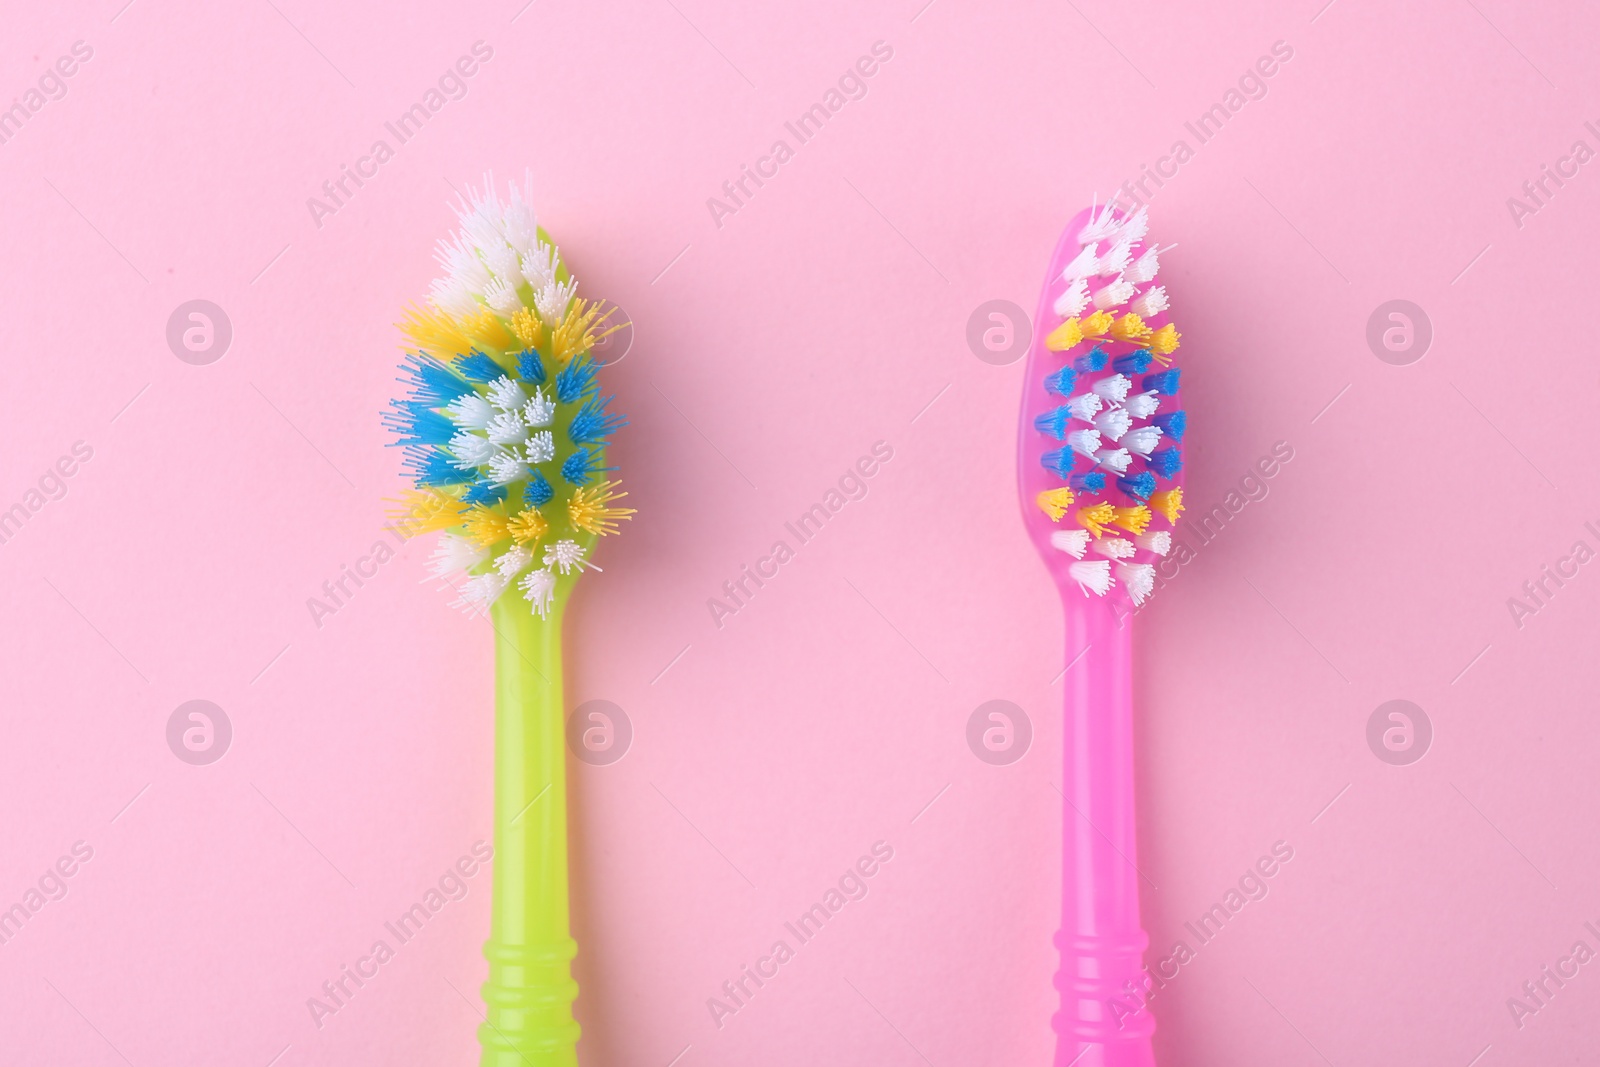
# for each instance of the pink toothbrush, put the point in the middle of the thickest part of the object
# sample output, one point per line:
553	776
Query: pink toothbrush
1099	467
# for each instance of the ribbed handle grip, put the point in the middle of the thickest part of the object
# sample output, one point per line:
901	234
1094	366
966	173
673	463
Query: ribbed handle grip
1101	942
528	997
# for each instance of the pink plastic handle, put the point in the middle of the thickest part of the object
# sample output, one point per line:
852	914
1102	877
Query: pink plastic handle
1101	941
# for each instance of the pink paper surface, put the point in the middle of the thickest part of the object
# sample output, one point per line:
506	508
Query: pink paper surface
780	339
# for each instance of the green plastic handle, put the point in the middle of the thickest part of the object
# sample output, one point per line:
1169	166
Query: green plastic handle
529	994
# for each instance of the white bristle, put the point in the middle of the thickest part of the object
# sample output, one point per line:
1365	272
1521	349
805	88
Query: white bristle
1083	266
566	555
1102	224
1118	292
505	468
1074	300
480	591
455	553
1139	578
451	295
1150	303
1084	406
470	411
470	450
1092	576
1157	541
1073	542
507	428
1135	226
539	410
506	394
552	300
1148	265
1113	423
541	447
1116	260
1142	405
511	562
539	589
1114	388
1143	439
503	297
502	263
1084	442
539	266
1115	548
1115	460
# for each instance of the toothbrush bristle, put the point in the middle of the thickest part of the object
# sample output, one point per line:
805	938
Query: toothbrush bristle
1073	542
1093	576
1109	395
501	454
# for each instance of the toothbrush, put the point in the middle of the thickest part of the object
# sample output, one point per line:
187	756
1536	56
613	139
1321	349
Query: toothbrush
505	434
1099	471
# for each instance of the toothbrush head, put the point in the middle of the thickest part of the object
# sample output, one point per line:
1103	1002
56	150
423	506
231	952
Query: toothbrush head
1099	457
503	422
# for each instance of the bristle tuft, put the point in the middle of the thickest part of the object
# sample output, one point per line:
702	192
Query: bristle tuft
1157	541
1054	503
1139	486
1096	518
1169	503
1166	462
1115	548
1139	579
1092	576
1133	519
1073	542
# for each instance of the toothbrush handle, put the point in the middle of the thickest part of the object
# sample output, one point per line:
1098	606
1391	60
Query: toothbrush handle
1101	941
530	990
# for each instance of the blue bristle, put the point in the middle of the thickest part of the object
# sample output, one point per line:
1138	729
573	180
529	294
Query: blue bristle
1165	383
429	466
576	381
1087	482
1138	486
578	467
1053	422
478	367
416	423
592	423
538	491
431	380
1172	423
1062	381
1133	363
1092	360
1166	461
1059	462
531	367
484	493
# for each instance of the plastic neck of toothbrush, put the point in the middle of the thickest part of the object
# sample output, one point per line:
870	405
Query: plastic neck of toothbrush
530	990
1103	989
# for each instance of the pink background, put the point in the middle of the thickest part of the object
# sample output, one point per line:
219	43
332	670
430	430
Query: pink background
830	713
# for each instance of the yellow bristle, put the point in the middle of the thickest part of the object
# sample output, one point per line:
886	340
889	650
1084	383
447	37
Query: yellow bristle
1054	502
421	510
435	332
486	329
590	510
577	330
1097	324
528	328
485	527
1169	502
1095	519
1133	519
1063	337
1164	341
527	527
1130	328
